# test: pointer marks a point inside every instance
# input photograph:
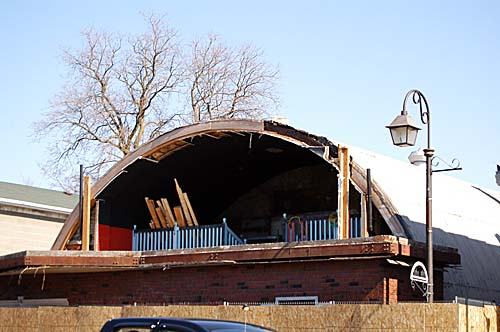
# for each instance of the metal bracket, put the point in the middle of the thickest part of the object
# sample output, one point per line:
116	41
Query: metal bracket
455	164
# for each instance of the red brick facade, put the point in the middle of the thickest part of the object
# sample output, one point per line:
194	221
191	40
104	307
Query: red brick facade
330	280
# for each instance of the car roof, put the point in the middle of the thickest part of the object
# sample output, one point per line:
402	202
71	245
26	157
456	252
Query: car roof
207	325
217	325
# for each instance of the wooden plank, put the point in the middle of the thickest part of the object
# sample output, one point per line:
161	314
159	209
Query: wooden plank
163	222
179	216
162	214
86	214
190	209
185	210
364	220
344	192
151	207
169	215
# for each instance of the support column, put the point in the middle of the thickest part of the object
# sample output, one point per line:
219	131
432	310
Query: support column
343	204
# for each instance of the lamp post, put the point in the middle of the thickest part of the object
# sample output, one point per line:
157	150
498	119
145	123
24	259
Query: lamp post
404	133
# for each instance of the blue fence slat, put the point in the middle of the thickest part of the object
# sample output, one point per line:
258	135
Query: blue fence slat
356	228
195	238
318	229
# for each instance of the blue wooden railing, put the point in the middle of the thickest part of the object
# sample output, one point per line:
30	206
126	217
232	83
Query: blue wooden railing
355	229
298	229
203	236
184	237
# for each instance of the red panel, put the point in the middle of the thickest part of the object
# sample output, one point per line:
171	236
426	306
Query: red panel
114	238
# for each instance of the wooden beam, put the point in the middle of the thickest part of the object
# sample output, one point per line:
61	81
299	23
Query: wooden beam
86	213
151	207
185	210
190	209
344	178
364	220
161	216
179	216
168	212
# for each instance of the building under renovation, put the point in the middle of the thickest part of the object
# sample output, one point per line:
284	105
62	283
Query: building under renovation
258	211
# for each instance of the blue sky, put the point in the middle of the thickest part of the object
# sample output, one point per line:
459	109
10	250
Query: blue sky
345	67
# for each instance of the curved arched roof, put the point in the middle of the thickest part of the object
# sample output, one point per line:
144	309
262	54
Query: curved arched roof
300	148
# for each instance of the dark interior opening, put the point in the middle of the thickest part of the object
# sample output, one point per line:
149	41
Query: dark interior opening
251	179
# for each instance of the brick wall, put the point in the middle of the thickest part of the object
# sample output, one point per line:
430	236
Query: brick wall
349	280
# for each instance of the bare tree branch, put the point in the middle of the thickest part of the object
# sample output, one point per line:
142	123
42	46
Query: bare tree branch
229	83
117	88
124	90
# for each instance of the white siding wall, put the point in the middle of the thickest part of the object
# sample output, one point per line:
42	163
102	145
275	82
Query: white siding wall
21	233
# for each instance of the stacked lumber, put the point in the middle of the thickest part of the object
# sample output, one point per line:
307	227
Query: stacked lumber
162	216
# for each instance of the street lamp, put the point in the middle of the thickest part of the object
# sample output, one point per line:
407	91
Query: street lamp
404	133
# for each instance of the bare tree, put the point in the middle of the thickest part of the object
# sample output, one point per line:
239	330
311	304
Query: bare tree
123	92
117	99
230	83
